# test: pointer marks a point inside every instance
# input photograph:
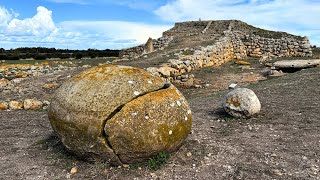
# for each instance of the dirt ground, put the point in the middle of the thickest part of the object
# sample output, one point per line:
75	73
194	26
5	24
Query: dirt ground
281	142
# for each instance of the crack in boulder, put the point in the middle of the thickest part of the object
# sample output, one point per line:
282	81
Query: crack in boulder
104	134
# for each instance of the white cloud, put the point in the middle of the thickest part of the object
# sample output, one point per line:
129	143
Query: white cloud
39	25
298	16
116	31
40	30
6	16
70	1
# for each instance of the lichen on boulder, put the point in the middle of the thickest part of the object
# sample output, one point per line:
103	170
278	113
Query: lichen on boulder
241	103
119	114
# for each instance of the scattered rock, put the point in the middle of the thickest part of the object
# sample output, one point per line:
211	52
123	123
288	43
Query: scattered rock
99	113
73	170
50	85
4	105
86	66
21	74
3	83
167	71
15	105
242	63
32	104
275	73
17	80
232	86
189	154
241	102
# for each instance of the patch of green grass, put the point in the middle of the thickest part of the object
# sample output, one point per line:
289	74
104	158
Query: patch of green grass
153	163
158	161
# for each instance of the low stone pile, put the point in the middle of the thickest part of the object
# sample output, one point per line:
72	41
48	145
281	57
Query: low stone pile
27	104
12	71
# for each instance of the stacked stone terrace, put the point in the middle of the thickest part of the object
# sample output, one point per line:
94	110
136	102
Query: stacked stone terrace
220	41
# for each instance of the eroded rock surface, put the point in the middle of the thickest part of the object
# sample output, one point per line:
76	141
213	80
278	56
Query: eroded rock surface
241	102
298	64
32	104
89	111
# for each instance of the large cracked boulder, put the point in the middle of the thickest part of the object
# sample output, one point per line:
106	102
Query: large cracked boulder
241	103
119	114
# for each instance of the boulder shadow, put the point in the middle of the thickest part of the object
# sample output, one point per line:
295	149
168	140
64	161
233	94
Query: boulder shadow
219	113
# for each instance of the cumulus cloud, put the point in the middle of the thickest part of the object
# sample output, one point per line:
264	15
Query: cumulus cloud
39	25
6	16
40	30
294	16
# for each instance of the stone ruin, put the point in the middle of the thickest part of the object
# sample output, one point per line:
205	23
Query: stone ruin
216	42
149	46
246	40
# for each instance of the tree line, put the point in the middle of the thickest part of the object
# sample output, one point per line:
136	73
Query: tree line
41	53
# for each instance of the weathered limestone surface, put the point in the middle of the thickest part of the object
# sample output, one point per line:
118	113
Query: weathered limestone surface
299	64
32	104
149	46
92	111
241	102
158	121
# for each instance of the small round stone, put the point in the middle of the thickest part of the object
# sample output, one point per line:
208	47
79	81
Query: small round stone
241	102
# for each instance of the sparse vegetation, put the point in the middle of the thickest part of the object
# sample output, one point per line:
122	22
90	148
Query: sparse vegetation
158	161
153	163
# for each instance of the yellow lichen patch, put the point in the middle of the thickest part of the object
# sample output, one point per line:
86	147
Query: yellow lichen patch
50	86
155	122
4	105
14	66
242	63
234	101
21	74
82	105
15	105
105	72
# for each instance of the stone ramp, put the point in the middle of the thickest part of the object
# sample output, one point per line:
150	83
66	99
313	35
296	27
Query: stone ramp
207	27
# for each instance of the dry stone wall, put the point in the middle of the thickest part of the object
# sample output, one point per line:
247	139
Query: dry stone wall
258	46
138	51
233	40
231	46
214	55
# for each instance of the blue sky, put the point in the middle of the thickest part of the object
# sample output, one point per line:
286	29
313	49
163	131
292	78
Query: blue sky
102	24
